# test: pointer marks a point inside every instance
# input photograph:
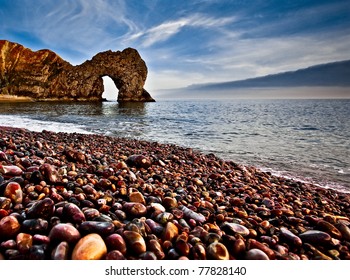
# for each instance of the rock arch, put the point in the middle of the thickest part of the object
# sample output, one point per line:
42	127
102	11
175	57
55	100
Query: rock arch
44	75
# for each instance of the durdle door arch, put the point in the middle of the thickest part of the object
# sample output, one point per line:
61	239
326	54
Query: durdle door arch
43	75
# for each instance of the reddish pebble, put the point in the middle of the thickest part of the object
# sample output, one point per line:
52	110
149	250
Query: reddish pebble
24	242
14	192
9	227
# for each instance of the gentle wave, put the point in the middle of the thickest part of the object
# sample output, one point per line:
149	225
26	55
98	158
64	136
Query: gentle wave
40	125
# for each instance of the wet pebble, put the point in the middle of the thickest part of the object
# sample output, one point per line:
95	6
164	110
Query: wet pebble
50	173
254	244
90	247
61	251
290	237
233	228
115	255
5	203
154	246
170	231
135	242
14	192
72	213
315	237
139	161
64	232
39	226
217	251
24	242
135	209
10	170
137	197
329	228
116	242
102	228
9	227
41	209
256	254
190	214
345	230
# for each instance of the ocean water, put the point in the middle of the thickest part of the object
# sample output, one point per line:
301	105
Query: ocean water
304	139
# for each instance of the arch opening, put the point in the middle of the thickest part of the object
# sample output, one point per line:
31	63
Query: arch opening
110	90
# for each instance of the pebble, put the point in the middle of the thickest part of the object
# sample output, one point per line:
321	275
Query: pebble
116	242
137	197
315	237
72	213
9	227
290	237
170	231
41	209
135	209
329	228
33	226
96	197
61	252
190	214
64	232
217	251
139	161
50	173
102	228
154	246
235	228
14	192
135	242
115	255
10	170
254	244
345	230
90	247
256	254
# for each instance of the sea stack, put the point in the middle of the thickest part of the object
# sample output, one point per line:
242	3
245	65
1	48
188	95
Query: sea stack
43	75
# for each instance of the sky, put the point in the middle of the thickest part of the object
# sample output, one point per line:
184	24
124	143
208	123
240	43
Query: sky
186	42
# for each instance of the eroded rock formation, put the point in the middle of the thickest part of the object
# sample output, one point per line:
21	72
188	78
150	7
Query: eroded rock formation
43	75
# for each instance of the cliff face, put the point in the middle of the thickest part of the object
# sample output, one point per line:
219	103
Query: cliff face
43	75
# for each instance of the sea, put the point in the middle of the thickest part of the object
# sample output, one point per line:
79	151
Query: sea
307	140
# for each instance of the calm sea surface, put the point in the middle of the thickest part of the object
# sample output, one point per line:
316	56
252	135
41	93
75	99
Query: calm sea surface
304	139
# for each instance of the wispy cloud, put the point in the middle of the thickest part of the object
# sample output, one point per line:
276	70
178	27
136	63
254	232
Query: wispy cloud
82	26
165	30
246	58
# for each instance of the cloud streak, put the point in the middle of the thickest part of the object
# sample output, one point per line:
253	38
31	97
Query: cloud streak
166	30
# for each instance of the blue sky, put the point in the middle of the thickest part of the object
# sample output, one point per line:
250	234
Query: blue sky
187	42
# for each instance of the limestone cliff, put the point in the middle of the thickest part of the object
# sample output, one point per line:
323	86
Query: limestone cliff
43	75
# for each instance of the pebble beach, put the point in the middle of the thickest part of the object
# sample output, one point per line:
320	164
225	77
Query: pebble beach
86	196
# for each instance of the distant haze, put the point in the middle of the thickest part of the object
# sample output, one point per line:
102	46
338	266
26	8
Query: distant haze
258	93
329	80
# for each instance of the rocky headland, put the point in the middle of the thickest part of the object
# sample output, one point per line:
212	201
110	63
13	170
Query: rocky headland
43	75
76	196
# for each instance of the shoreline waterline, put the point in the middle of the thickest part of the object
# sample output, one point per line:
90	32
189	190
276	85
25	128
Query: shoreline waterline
278	173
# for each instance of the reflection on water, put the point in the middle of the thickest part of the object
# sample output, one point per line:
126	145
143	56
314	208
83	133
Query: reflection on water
124	108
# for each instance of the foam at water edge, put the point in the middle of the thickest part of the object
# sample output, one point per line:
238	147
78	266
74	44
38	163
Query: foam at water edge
326	185
39	125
